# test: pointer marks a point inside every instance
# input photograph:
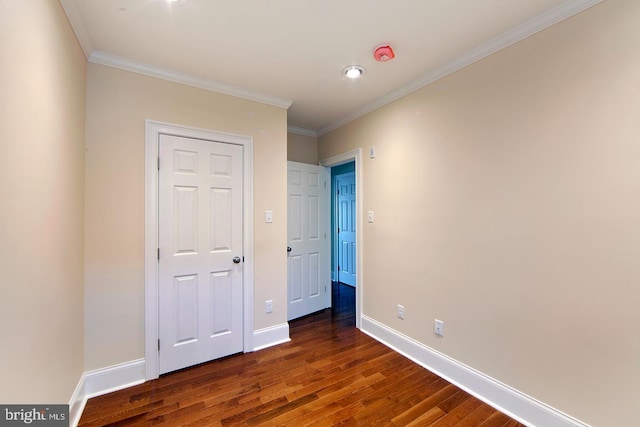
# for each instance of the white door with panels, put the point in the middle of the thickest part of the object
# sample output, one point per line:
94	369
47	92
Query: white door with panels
346	223
200	204
309	285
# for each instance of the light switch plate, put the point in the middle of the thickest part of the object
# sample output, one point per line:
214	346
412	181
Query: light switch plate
268	217
370	216
438	327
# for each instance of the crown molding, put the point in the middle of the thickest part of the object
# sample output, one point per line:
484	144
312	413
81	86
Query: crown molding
77	24
302	131
559	13
103	58
534	25
115	61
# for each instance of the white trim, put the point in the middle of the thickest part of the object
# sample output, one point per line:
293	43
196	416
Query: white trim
512	402
302	131
327	236
273	335
546	19
356	156
77	402
522	31
151	245
102	381
115	61
153	129
247	244
71	10
112	378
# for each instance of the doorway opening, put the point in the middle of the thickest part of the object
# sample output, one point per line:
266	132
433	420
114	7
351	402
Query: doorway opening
343	235
341	164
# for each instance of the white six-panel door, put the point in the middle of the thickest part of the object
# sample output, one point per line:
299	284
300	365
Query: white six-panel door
346	216
200	232
308	257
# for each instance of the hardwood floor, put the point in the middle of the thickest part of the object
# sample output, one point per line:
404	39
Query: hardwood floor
329	374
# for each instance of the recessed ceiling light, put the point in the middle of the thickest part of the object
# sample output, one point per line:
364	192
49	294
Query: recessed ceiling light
353	71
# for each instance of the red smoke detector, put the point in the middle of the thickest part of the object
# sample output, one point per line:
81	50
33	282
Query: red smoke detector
383	53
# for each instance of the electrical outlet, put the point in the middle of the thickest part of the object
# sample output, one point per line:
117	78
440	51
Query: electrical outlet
269	306
370	216
438	327
400	311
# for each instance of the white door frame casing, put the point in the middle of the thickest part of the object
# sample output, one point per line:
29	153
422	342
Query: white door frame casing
355	156
153	129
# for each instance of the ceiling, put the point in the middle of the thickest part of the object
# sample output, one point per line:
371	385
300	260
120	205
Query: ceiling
291	53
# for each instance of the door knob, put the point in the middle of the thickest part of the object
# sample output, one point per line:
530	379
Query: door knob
236	259
288	248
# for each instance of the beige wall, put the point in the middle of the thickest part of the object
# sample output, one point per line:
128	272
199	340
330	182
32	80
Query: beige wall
507	203
302	148
118	102
42	87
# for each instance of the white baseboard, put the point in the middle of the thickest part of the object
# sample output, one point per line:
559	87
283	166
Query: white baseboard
117	377
268	337
77	402
103	381
517	405
112	378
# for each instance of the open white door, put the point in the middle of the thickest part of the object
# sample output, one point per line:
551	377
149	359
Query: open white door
346	223
200	201
309	285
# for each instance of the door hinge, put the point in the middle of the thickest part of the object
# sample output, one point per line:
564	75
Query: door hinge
338	268
338	229
158	254
158	345
158	163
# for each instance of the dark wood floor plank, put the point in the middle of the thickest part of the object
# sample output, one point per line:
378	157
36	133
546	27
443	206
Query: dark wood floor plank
330	374
477	416
445	391
329	402
511	423
458	413
496	419
426	418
